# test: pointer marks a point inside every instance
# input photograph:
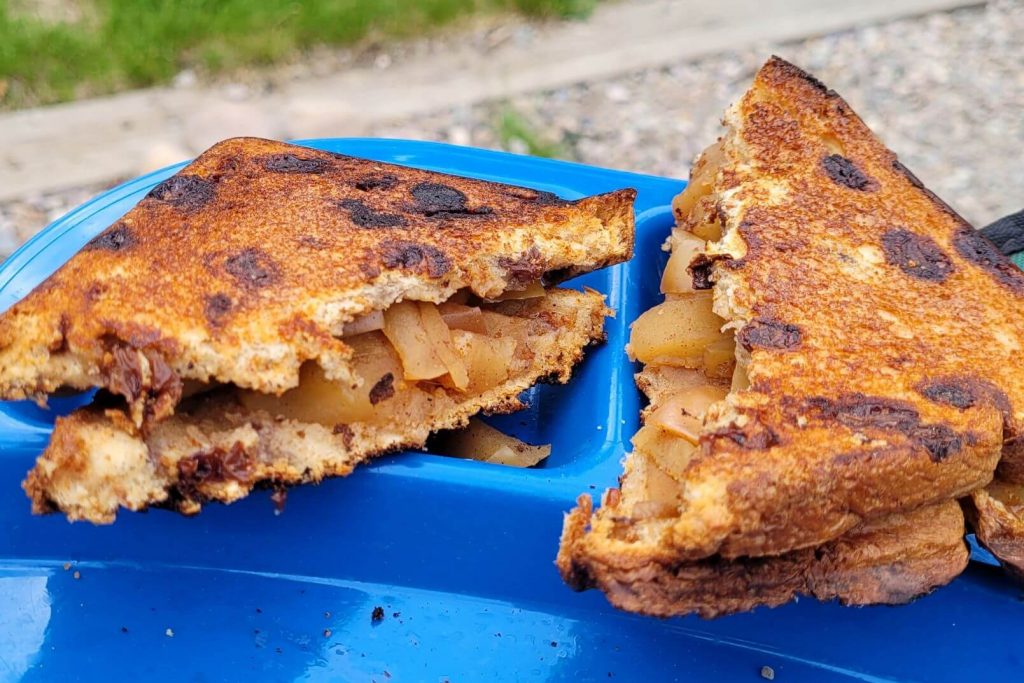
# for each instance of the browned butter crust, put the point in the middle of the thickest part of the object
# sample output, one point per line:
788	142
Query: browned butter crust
890	561
897	384
880	335
246	266
251	259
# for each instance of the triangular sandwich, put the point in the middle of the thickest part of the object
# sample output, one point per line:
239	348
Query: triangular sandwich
837	353
274	314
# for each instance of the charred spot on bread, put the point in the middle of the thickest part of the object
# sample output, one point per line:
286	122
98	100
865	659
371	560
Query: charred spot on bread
115	238
950	393
916	255
227	165
846	173
787	69
752	436
860	412
382	181
765	333
964	392
415	256
940	440
185	192
290	163
216	308
95	292
252	268
365	217
974	248
550	199
440	200
437	197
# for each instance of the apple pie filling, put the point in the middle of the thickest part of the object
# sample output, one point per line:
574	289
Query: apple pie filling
417	359
690	362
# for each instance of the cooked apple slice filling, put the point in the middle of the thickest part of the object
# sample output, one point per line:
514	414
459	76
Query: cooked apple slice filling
417	357
416	368
690	362
480	441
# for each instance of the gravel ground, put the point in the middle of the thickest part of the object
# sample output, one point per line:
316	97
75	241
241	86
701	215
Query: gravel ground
945	91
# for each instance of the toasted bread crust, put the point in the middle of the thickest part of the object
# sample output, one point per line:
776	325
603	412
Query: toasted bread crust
877	332
250	260
216	450
882	332
890	561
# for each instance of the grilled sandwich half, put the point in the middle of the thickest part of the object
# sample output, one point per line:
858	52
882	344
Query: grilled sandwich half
835	357
274	314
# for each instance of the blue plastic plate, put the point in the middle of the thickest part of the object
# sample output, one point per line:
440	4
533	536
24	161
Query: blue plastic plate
457	554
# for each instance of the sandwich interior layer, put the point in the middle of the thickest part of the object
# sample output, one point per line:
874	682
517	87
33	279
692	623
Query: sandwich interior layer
419	367
691	363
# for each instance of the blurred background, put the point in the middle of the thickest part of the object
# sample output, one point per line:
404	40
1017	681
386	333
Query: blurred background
93	92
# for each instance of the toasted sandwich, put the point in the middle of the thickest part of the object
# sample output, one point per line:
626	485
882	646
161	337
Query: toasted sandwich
834	358
274	314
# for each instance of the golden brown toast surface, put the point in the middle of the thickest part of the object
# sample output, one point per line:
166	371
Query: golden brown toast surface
881	328
251	259
875	381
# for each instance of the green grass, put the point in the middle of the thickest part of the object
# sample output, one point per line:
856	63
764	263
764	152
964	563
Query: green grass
121	44
512	126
